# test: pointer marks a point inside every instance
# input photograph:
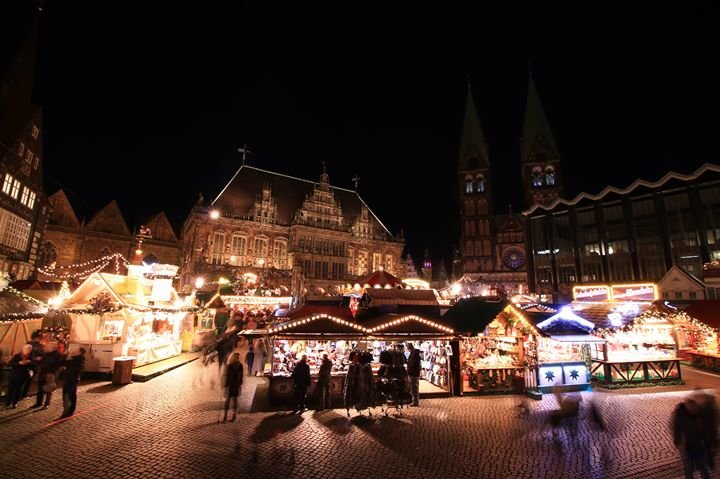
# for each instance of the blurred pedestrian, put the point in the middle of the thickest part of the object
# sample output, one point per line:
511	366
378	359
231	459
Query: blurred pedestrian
73	368
710	415
323	383
413	371
21	373
249	359
233	382
690	436
50	363
301	381
38	343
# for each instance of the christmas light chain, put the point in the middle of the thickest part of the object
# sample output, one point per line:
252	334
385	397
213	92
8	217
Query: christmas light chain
95	266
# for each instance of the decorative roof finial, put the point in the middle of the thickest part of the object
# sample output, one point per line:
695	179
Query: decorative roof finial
356	180
244	150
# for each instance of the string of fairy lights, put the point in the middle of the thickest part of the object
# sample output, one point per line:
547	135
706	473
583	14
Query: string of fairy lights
89	267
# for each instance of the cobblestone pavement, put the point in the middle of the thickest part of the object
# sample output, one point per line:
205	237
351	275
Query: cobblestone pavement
168	427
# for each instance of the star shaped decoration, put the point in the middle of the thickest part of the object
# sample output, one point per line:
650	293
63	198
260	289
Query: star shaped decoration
574	374
549	375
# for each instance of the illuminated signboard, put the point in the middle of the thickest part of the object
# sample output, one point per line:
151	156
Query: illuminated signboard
591	293
634	292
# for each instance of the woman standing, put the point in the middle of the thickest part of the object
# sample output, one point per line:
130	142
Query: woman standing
233	381
20	374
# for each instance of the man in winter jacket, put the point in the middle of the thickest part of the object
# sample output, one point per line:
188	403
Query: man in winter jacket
690	435
73	367
413	370
301	381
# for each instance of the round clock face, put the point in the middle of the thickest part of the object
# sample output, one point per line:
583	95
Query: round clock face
514	257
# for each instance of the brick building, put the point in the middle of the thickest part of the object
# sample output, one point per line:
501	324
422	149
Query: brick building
315	238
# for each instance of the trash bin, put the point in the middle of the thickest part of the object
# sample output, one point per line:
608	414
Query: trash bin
122	369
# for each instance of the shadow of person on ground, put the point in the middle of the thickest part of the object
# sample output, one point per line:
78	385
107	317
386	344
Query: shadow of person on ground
103	389
335	423
275	425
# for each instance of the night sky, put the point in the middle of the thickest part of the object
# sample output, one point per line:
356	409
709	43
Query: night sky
147	104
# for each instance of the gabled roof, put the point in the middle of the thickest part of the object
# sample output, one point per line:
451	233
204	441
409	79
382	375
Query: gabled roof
609	314
161	228
420	297
109	220
473	148
676	270
318	324
308	310
238	196
63	213
406	325
472	315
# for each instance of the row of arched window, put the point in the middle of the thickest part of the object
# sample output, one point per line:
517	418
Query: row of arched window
478	248
476	184
542	177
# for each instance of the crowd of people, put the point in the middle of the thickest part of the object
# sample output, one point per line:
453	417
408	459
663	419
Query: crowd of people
47	361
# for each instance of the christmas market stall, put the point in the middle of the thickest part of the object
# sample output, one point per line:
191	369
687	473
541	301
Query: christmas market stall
493	344
648	346
702	345
563	352
312	330
137	316
20	316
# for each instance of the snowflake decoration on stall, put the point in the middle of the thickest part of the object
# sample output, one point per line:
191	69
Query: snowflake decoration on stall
550	376
574	374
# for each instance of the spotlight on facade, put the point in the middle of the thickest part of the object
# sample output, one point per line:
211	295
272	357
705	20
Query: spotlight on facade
214	214
199	282
456	288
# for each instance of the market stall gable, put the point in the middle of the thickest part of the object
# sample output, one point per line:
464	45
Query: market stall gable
396	324
320	324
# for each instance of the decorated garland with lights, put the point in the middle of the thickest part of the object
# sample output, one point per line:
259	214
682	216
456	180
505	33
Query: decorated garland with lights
89	267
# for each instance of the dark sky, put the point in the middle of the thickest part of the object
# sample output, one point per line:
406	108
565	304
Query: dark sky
147	104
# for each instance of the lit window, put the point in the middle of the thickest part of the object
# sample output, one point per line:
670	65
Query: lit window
15	189
28	156
25	195
31	200
37	161
537	177
35	132
480	184
468	186
549	176
7	184
21	149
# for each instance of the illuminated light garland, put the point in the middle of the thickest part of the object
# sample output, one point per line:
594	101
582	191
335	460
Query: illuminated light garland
25	296
95	266
518	315
414	318
298	322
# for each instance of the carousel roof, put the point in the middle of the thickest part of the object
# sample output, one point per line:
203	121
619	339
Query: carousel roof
381	278
610	314
472	315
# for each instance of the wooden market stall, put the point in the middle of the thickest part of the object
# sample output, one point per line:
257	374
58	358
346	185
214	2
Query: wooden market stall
563	352
493	345
641	342
20	316
134	316
702	344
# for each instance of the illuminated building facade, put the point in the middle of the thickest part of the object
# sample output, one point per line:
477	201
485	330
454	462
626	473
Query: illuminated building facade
623	235
23	209
311	237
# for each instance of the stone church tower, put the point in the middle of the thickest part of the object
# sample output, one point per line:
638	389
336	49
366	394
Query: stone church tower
542	181
492	246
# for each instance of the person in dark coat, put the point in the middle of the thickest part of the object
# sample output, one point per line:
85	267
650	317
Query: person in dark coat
250	359
301	381
73	368
35	355
50	363
690	435
323	383
413	370
20	374
233	381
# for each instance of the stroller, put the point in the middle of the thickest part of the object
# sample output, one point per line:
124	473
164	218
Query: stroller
392	385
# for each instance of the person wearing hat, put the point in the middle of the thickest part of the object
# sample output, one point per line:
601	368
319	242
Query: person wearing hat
73	368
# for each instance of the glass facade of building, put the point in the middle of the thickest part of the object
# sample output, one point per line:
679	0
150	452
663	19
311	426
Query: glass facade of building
633	235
